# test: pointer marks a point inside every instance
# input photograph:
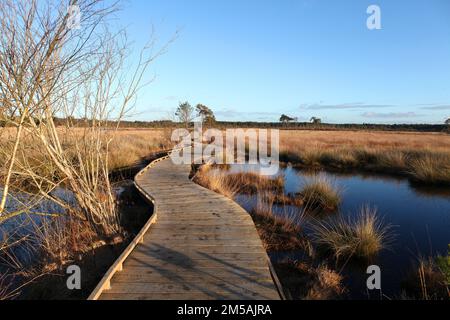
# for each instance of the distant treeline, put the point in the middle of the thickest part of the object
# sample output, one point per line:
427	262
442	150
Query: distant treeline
253	124
296	126
344	126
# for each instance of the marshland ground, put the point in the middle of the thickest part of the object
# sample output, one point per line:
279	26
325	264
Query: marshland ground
421	159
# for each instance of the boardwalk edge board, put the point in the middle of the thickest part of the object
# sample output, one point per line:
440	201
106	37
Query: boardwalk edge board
104	283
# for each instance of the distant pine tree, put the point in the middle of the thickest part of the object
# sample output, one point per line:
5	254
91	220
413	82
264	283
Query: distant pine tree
316	120
285	119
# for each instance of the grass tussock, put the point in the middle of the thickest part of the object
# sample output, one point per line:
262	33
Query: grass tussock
363	236
432	169
321	194
306	282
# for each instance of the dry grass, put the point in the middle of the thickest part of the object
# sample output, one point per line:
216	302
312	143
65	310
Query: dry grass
363	236
424	157
216	181
128	146
60	240
306	282
426	282
4	287
222	182
320	193
327	286
278	232
431	168
252	182
285	200
132	146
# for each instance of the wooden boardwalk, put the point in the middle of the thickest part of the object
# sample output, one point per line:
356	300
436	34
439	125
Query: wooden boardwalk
198	245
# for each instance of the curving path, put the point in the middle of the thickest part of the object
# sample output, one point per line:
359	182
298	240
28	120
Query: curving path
198	245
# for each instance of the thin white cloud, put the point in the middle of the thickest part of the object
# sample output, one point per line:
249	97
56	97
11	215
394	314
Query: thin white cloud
389	115
231	113
342	106
437	107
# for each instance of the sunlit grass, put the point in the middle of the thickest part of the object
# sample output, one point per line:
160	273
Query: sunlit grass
364	236
321	193
229	184
423	157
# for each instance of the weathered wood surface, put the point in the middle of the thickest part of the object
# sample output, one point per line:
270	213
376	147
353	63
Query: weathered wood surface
202	246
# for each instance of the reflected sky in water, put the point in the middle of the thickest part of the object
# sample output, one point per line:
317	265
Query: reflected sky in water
420	219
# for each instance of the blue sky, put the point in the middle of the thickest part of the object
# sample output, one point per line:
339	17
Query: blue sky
253	60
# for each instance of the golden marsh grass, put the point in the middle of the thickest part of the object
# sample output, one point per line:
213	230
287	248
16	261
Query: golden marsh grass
423	157
363	236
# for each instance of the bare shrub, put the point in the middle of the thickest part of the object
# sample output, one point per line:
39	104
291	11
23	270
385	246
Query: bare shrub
48	69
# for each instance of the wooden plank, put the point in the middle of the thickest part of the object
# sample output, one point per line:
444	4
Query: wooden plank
210	249
199	255
193	264
180	245
215	235
174	270
182	296
214	287
151	276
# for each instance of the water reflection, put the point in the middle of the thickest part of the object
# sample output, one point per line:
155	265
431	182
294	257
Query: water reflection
420	216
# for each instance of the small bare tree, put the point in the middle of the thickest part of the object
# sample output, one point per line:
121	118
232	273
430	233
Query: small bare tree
185	113
49	69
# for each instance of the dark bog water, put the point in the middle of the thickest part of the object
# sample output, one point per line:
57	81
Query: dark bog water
420	219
